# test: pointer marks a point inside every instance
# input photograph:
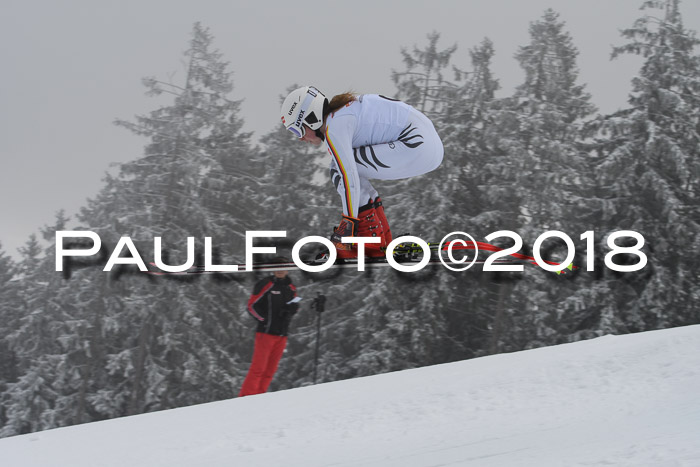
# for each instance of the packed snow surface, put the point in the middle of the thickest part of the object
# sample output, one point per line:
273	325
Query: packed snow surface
630	400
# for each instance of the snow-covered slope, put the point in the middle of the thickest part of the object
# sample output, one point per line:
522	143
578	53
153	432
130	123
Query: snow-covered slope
629	400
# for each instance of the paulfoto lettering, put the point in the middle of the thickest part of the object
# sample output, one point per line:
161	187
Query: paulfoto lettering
416	243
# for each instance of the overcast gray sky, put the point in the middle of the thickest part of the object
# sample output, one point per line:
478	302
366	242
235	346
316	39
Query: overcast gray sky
69	68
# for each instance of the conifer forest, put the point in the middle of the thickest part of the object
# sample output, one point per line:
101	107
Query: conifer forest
86	345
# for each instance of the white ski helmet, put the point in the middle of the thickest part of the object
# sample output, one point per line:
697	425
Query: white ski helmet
303	106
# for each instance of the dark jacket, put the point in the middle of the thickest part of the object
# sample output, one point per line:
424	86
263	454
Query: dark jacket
268	304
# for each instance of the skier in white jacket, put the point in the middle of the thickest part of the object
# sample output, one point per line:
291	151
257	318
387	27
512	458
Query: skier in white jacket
368	137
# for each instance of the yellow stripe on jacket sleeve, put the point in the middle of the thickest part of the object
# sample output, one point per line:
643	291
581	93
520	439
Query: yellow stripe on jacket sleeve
343	172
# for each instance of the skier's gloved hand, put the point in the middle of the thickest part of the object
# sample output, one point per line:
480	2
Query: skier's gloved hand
347	228
291	308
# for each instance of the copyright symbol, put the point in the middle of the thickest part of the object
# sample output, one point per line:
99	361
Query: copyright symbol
451	245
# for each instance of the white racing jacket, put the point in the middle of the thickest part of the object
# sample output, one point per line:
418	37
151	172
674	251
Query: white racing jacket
375	137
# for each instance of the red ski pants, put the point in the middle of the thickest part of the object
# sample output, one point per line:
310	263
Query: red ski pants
266	356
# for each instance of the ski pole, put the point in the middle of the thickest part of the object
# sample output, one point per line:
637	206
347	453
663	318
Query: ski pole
318	305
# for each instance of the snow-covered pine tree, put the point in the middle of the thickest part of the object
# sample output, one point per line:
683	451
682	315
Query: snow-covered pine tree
190	140
467	189
101	346
9	316
197	179
651	172
7	268
539	130
422	84
31	400
535	147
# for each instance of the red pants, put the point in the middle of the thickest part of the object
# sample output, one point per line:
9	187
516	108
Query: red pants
266	356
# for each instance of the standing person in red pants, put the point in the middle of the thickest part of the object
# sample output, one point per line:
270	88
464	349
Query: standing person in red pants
273	303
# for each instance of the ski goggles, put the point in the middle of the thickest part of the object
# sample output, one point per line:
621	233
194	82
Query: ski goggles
299	131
